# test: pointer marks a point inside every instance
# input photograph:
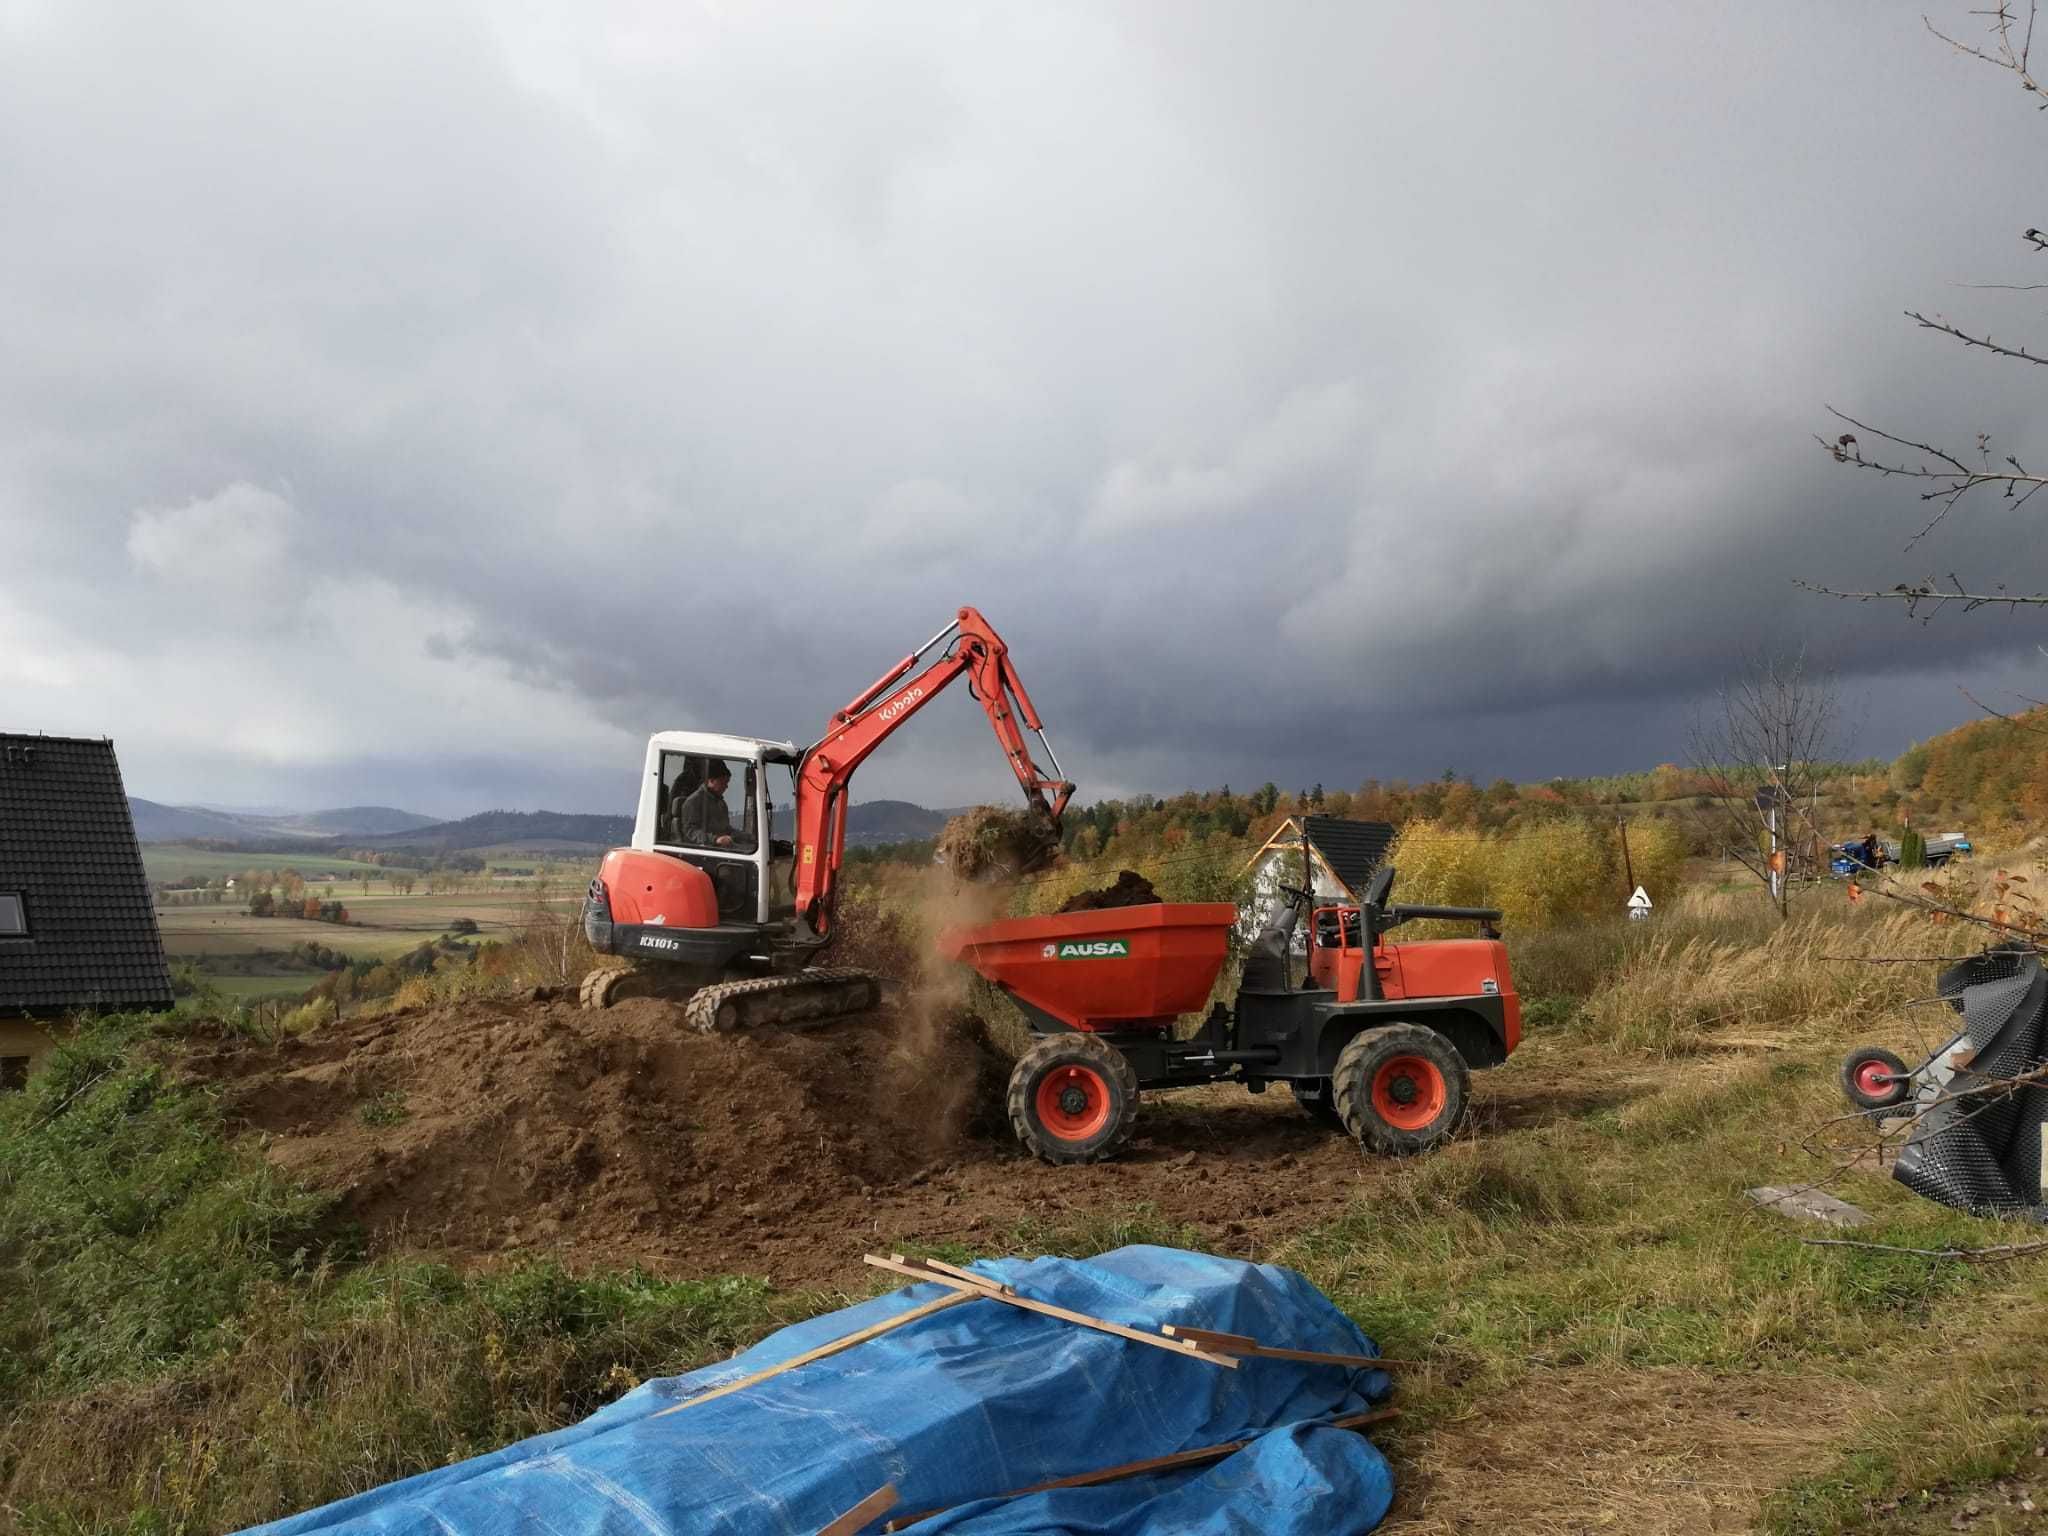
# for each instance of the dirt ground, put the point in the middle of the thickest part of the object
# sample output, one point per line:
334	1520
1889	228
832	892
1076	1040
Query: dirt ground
620	1137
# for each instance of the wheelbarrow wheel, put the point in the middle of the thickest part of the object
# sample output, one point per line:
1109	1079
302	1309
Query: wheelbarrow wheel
1875	1079
1073	1099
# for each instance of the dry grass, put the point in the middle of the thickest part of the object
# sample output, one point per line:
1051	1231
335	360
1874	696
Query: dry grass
1645	1452
1694	981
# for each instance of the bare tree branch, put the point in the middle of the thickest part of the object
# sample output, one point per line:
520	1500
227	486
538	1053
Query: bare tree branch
1950	480
1930	597
1948	328
2006	55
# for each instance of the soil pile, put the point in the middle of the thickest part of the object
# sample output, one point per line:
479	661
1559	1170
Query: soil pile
1129	889
987	843
614	1134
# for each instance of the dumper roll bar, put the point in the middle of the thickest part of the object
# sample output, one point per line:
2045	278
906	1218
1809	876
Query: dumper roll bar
1376	917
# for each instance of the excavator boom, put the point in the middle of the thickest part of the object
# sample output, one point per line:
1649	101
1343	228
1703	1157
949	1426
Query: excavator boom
975	649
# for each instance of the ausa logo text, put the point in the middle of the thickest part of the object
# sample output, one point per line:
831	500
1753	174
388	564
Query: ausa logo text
1088	949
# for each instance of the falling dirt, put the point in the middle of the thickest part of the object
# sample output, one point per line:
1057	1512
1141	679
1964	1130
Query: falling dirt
989	843
1129	889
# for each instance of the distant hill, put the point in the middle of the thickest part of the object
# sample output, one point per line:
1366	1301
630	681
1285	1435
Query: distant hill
872	822
361	821
868	824
556	830
158	823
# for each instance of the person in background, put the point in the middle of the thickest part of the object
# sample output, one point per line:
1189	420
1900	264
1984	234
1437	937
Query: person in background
1870	852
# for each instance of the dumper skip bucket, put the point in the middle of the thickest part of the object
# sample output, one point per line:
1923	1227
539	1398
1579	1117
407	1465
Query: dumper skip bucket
1120	968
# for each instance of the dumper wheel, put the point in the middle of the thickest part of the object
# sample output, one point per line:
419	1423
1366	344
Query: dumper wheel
1073	1099
1401	1089
1318	1101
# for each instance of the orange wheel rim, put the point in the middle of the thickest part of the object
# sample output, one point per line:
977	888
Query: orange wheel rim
1073	1102
1409	1092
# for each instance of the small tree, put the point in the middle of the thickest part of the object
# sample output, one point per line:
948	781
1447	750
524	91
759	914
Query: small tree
1759	752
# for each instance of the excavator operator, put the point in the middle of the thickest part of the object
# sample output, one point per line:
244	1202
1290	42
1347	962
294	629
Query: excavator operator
702	819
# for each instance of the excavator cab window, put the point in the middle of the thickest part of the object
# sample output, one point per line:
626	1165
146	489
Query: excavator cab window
691	816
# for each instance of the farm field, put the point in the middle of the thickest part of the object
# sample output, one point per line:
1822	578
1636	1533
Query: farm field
174	861
245	956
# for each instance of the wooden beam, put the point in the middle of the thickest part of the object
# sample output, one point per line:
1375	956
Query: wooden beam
860	1336
880	1502
1240	1344
958	1273
971	1288
1178	1459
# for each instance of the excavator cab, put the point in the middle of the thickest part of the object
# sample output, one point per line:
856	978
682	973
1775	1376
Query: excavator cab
746	874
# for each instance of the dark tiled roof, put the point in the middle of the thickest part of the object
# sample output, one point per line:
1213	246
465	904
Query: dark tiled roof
68	846
1353	849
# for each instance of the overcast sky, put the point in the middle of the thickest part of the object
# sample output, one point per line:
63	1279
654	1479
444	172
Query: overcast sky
420	403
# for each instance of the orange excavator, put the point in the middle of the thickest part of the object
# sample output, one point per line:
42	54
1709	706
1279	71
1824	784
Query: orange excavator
708	907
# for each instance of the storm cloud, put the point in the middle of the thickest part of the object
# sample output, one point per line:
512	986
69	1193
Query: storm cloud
421	403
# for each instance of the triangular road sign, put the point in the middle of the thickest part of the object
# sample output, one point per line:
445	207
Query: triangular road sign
1640	902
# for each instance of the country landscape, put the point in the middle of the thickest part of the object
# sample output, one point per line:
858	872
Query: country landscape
1058	770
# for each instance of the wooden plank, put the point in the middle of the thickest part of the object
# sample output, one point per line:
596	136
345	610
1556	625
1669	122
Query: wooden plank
1178	1459
880	1502
1239	1344
1047	1309
859	1336
958	1273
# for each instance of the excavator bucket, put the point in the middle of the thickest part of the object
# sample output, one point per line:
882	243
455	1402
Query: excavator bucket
1120	968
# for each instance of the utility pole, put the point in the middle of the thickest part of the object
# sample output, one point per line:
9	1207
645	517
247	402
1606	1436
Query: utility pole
1628	865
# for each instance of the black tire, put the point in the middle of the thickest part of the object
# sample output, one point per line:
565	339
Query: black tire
1863	1074
600	986
1424	1089
1319	1102
1073	1099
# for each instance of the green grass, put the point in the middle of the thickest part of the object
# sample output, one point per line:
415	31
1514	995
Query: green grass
189	1343
386	1108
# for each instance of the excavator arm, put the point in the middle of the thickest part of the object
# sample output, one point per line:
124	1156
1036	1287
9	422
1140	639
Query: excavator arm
863	725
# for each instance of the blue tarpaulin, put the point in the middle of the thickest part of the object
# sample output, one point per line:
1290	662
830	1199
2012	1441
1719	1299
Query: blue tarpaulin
961	1405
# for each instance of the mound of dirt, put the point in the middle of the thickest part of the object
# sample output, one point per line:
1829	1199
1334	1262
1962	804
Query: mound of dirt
1129	889
988	843
615	1134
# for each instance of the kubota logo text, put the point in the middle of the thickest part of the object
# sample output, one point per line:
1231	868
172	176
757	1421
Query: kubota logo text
1089	949
901	702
